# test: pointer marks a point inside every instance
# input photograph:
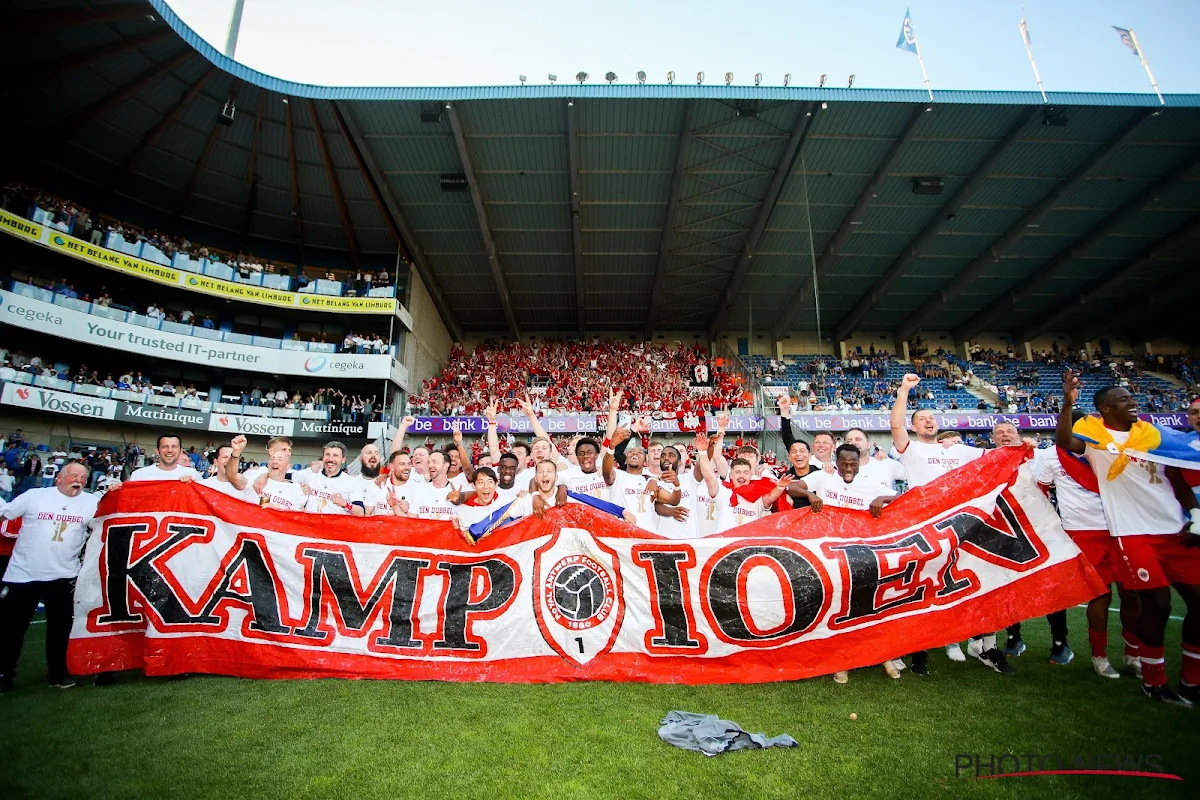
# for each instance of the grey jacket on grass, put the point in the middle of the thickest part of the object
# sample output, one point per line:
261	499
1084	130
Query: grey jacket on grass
710	735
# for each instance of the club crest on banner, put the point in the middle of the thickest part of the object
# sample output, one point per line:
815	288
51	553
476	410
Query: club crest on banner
577	596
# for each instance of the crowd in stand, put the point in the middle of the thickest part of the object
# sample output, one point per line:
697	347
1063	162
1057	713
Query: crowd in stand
80	222
344	407
574	376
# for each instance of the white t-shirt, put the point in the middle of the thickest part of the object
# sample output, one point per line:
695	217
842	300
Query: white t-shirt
706	508
526	475
589	483
523	506
689	491
629	491
731	516
375	498
511	493
461	483
835	492
886	471
322	488
1140	500
225	487
1078	508
925	463
156	473
283	495
53	532
429	502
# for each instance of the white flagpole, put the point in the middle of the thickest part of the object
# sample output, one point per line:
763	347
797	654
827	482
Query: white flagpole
1142	56
921	61
1029	49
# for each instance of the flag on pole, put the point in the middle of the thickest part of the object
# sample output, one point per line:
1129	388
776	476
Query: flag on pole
1126	39
908	37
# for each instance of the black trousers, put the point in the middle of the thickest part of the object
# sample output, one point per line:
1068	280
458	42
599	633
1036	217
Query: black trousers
17	606
1058	626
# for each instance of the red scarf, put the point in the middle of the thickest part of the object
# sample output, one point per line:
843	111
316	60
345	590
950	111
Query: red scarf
751	492
474	501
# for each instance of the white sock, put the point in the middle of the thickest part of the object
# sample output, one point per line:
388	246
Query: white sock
989	641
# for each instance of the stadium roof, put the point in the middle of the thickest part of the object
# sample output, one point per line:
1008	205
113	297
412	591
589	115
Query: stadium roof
655	207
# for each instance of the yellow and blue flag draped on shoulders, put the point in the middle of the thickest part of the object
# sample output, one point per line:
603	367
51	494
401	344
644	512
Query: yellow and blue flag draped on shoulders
1146	442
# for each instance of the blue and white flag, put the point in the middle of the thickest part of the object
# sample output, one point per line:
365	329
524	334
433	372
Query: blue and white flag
492	521
908	36
598	504
1127	39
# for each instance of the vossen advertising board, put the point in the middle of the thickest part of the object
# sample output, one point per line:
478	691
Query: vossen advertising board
54	320
39	399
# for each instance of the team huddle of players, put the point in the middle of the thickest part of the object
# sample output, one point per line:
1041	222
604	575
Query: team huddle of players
1137	522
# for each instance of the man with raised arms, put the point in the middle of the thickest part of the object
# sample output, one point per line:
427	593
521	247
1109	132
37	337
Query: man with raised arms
733	504
272	488
924	461
542	448
234	486
1155	519
631	489
435	499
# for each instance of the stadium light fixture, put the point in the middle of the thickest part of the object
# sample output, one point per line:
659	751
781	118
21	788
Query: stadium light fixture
552	78
850	83
699	78
821	81
610	77
570	103
728	78
824	105
671	78
757	78
931	185
522	77
285	100
787	79
227	113
581	76
641	76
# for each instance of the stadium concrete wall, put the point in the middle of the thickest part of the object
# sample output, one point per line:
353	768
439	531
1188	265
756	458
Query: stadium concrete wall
428	346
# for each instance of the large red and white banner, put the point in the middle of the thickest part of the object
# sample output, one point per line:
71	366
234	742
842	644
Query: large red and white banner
179	578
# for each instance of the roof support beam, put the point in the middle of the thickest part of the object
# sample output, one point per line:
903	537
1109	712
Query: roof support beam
294	178
335	185
1094	296
68	128
960	282
576	222
194	179
730	294
152	136
830	253
250	201
1014	299
53	70
394	216
485	229
55	19
682	148
898	267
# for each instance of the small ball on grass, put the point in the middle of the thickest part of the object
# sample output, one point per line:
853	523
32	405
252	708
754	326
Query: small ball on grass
853	716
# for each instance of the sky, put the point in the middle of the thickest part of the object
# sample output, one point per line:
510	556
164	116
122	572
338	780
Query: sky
966	44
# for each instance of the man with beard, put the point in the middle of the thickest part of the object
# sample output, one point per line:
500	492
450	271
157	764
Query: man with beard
332	490
172	464
374	497
44	565
679	519
542	448
587	478
234	486
462	472
420	455
629	487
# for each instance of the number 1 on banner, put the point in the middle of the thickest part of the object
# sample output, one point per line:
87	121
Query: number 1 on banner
579	641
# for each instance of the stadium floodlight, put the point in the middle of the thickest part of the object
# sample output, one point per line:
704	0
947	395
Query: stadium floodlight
581	76
787	79
757	78
522	77
728	78
285	100
821	81
699	78
641	76
610	77
671	77
850	84
227	113
552	78
824	106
